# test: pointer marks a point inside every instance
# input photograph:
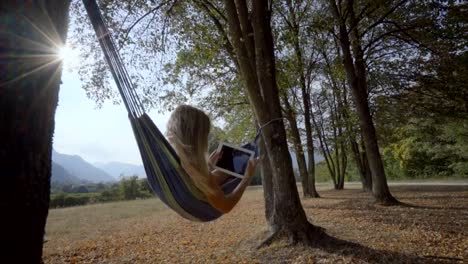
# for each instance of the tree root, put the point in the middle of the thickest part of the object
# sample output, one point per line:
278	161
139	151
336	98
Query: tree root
312	195
272	237
388	201
315	195
310	235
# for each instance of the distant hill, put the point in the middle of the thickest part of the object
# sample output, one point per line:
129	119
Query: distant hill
72	169
83	170
60	176
116	169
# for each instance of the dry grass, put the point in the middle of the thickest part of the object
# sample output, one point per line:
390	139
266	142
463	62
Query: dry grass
432	228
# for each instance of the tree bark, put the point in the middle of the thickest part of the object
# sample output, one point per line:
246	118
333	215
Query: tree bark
360	158
267	183
362	165
357	79
323	144
297	142
312	192
340	120
258	71
30	34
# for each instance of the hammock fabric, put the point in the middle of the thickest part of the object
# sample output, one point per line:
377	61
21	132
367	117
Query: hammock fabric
166	177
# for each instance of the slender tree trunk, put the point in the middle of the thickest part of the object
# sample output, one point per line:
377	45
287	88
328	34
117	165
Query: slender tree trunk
341	146
357	78
367	185
311	168
267	183
340	121
362	165
312	192
296	137
344	162
310	144
252	40
359	158
30	32
323	145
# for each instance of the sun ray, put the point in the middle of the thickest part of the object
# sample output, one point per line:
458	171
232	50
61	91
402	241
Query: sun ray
24	75
56	43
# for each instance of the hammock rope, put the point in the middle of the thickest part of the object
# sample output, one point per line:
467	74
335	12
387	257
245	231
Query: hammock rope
119	72
166	177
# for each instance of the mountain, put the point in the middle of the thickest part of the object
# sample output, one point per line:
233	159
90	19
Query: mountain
61	176
116	169
83	170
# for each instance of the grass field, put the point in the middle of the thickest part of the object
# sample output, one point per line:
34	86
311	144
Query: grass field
432	228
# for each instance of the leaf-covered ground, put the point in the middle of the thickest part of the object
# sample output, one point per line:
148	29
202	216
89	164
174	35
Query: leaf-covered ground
431	228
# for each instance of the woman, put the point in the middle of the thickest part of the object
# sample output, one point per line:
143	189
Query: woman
187	131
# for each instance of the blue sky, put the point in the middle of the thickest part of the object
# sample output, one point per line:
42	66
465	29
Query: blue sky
97	135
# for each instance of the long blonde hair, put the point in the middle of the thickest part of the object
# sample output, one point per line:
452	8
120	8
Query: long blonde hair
187	131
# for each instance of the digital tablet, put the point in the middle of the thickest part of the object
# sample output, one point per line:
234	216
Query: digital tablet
233	160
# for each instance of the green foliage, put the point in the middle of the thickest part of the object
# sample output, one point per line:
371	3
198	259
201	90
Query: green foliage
436	147
322	173
65	199
129	188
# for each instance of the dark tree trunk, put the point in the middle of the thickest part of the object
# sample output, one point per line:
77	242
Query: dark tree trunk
267	183
294	27
340	122
296	137
341	145
30	32
362	165
357	78
367	179
360	158
252	40
343	164
323	144
310	145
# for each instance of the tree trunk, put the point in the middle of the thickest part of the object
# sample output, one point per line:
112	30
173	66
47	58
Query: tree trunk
256	61
340	121
30	70
357	78
359	158
323	145
267	183
310	145
367	184
311	167
362	165
296	137
342	169
312	192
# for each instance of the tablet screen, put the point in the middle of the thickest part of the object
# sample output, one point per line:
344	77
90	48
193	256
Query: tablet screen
233	159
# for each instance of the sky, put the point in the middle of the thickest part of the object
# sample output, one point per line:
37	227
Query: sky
96	134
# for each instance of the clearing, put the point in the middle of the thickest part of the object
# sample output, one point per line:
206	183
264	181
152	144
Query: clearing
432	228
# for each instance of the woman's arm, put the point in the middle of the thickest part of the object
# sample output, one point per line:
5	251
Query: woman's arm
218	199
225	203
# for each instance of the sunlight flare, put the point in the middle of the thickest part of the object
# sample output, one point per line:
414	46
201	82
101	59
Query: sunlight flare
69	56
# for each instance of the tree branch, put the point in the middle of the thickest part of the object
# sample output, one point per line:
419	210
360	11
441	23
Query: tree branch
382	18
227	44
145	15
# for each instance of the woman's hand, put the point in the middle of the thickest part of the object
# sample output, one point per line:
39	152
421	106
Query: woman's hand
250	170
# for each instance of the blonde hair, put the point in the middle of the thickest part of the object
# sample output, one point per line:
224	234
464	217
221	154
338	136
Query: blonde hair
187	131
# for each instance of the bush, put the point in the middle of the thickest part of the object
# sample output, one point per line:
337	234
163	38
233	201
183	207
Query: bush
65	200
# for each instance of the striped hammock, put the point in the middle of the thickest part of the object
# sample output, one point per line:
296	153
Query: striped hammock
166	177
